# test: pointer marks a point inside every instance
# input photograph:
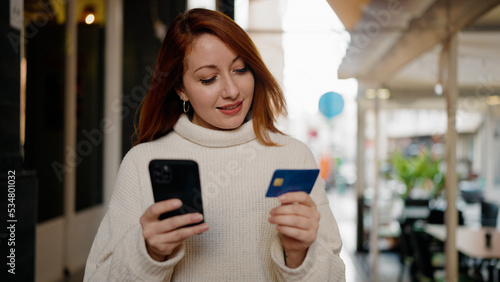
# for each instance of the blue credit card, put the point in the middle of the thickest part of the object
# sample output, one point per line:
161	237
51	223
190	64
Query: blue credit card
292	180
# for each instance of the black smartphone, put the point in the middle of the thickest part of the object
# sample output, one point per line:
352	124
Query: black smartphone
177	179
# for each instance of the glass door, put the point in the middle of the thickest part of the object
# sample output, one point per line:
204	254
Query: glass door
64	137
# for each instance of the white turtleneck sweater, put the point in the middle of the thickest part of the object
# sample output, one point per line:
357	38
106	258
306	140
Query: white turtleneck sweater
241	245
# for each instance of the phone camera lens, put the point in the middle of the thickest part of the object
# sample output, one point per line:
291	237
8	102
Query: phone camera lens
166	173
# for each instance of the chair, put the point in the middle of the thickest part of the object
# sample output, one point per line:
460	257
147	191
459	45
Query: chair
489	214
424	256
405	251
414	210
436	216
472	196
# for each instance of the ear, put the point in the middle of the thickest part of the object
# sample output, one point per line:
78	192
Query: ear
182	96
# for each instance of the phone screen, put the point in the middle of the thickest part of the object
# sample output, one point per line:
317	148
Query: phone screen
177	179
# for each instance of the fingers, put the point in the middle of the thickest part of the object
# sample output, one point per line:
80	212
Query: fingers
151	224
163	244
176	222
163	236
297	217
306	236
169	224
307	221
178	235
175	237
157	209
298	197
294	209
295	220
295	204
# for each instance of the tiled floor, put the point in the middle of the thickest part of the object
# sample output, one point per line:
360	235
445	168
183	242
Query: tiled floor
343	206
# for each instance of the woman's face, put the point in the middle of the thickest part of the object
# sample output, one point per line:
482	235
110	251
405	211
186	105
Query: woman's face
217	83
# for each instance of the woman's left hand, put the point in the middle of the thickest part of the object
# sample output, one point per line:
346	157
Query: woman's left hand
297	220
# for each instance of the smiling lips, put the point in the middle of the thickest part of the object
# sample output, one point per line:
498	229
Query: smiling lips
231	109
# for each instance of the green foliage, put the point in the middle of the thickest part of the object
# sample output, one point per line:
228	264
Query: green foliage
404	171
420	169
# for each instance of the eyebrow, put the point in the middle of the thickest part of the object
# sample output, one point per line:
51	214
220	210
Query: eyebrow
214	66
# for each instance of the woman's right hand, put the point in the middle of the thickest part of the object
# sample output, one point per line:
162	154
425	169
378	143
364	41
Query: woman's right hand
163	236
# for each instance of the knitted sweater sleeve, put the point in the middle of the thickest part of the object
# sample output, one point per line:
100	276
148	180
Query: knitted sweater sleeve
118	252
322	262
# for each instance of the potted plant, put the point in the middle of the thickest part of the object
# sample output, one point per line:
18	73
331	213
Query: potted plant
422	169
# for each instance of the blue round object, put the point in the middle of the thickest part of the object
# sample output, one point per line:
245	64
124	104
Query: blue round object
331	104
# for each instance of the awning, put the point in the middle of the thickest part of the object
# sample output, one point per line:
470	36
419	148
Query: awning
349	12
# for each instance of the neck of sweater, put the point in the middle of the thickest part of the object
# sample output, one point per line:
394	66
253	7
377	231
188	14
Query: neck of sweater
214	138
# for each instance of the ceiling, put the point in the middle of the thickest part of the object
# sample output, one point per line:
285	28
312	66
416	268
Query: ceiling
397	44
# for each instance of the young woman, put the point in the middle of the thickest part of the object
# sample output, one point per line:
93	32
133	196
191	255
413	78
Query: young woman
212	100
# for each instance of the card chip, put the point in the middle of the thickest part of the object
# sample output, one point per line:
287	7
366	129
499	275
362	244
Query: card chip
278	182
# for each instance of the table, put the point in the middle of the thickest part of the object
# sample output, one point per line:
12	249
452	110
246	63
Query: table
470	241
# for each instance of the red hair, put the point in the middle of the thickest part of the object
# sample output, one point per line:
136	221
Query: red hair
161	108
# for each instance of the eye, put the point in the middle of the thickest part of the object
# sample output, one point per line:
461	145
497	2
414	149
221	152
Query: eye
207	81
242	70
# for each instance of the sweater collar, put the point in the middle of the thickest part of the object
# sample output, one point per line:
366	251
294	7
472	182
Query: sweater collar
214	138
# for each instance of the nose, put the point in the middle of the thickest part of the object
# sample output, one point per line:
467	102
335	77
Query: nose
230	90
